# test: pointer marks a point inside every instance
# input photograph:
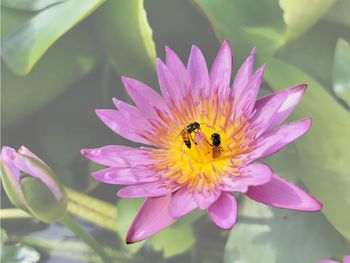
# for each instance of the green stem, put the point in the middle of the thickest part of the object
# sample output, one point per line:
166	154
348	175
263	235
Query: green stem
93	210
68	222
13	213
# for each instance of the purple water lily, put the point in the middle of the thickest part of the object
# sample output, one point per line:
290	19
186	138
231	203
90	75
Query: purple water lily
206	138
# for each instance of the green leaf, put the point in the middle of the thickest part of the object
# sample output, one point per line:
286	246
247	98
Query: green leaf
265	234
339	13
303	52
29	5
285	163
174	240
3	236
60	245
63	246
12	254
262	24
11	19
25	45
324	152
300	15
246	26
76	53
341	71
127	37
63	140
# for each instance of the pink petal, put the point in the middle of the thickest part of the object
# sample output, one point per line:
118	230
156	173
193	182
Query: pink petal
346	259
126	176
275	140
178	70
264	116
243	76
220	73
127	110
8	156
130	130
168	85
198	72
32	165
25	151
224	211
119	156
206	198
152	189
8	167
292	95
251	175
153	217
279	193
145	98
246	101
182	203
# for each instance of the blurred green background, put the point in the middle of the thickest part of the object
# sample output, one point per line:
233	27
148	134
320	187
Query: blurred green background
62	59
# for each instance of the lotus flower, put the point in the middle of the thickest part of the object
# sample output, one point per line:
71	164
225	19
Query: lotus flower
205	139
31	185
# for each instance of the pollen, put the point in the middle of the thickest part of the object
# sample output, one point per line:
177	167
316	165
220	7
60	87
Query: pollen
201	166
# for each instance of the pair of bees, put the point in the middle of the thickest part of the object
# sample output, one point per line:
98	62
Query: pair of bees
195	127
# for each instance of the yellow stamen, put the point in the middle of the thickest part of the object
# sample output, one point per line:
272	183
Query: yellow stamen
197	167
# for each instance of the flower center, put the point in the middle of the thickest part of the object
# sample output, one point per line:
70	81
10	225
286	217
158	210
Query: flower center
200	144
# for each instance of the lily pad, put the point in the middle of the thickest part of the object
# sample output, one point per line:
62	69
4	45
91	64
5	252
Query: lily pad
29	5
25	45
124	31
324	152
300	15
278	235
13	254
341	71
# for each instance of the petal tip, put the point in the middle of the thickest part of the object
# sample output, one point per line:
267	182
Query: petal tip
226	44
168	50
129	242
99	112
130	239
300	88
84	152
160	65
315	206
124	78
252	52
119	193
131	236
195	49
126	82
307	125
262	68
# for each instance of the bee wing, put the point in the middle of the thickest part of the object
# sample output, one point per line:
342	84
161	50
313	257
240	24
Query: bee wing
182	132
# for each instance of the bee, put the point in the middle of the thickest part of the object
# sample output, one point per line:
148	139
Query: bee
186	133
215	144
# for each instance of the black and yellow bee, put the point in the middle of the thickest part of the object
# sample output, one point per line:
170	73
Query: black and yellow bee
186	133
215	144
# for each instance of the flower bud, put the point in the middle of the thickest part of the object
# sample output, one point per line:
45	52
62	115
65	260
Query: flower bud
31	185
